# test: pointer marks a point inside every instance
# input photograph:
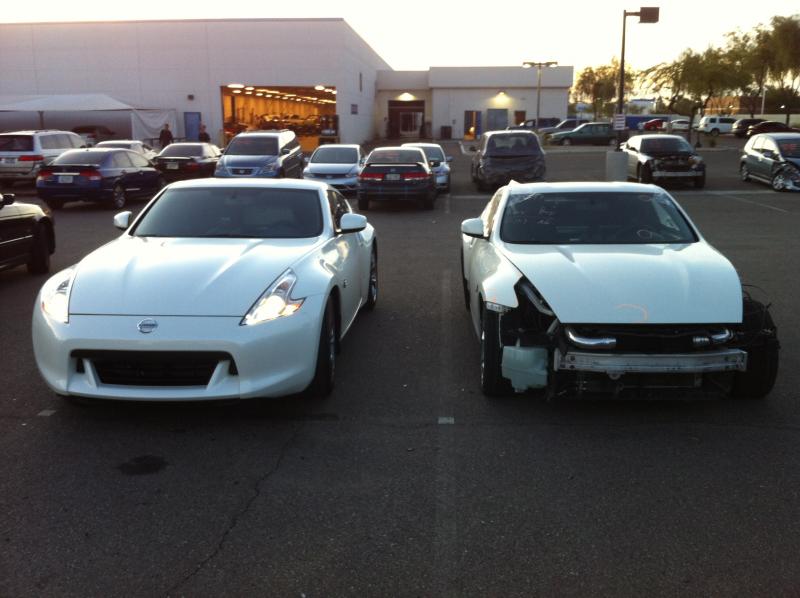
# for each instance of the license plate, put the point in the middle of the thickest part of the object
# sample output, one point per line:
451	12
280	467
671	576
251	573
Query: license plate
392	177
64	178
172	166
9	160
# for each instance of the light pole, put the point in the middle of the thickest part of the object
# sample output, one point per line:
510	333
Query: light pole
646	14
528	64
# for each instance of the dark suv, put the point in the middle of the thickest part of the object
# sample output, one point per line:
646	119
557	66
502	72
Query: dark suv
263	154
503	156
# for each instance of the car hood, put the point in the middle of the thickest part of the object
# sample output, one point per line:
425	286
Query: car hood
322	168
246	161
630	284
183	277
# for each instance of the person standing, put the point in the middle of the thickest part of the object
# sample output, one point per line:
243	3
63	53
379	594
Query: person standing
165	137
203	135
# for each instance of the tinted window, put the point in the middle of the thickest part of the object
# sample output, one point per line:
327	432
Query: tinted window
81	157
256	213
727	121
121	160
182	150
335	155
396	156
433	153
64	141
664	145
138	160
253	146
790	148
49	142
593	218
16	143
513	145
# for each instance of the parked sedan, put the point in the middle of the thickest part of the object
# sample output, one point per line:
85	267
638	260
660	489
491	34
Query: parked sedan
654	124
772	158
661	158
679	124
588	134
107	175
337	165
131	144
396	173
741	126
180	161
439	163
26	235
219	289
770	126
568	124
503	156
579	289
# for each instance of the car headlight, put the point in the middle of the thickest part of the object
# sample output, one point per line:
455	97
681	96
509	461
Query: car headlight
55	296
275	302
220	168
269	168
695	160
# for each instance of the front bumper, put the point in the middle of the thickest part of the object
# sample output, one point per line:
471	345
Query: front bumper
73	192
271	359
342	183
396	191
701	362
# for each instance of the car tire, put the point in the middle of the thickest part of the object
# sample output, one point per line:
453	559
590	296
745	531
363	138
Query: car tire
118	198
372	287
363	202
762	353
744	174
645	175
566	142
700	181
39	261
54	204
492	382
778	181
464	283
325	370
714	132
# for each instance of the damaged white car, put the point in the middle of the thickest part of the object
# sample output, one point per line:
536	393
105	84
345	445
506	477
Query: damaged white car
582	289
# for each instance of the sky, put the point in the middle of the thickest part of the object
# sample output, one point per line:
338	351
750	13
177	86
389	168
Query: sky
415	34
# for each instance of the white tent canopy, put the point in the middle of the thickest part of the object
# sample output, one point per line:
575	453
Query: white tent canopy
145	123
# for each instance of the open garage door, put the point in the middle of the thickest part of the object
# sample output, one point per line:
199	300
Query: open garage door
308	111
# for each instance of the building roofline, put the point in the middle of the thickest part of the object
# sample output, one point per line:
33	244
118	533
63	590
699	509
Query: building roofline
147	21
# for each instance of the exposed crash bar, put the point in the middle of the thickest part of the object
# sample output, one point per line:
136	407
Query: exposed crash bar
590	342
676	363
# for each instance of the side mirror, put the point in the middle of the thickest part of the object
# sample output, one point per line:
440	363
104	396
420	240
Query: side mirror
352	223
122	220
473	227
434	163
7	199
305	160
448	159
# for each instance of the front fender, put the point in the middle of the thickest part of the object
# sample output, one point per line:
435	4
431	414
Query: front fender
498	285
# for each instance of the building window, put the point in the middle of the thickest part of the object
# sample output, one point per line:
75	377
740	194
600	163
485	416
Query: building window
360	82
353	108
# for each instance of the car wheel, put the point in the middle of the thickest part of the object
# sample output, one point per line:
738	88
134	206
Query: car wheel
762	354
372	289
363	202
700	181
39	261
566	142
464	283
778	182
714	132
612	142
492	382
645	175
118	197
325	371
744	173
54	204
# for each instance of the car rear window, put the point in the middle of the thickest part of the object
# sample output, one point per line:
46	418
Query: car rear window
513	145
790	148
253	146
335	155
432	153
81	157
603	218
221	212
16	143
180	150
396	156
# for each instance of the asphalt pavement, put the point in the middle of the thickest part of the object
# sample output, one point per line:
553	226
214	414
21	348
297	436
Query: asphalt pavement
407	481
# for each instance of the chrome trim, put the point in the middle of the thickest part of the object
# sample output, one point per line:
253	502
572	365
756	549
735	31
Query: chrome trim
722	337
726	360
701	341
588	342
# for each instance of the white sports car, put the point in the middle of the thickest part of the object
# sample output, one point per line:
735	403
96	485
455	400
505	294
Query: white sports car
596	288
220	289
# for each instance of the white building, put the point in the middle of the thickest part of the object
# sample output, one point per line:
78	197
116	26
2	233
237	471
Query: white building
236	73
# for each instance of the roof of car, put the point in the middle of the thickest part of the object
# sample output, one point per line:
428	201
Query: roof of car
659	136
780	135
108	142
395	148
246	183
414	144
591	187
34	131
509	132
347	145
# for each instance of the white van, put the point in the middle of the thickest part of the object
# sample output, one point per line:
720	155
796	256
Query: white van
714	125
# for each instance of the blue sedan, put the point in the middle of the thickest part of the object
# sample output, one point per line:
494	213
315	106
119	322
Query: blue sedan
108	175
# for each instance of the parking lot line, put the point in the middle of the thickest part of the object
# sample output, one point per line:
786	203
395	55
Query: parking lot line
444	419
46	413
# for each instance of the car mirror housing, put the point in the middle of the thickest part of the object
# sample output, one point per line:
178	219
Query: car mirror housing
353	223
122	220
473	227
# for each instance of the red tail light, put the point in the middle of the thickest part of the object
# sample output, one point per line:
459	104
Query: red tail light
192	165
92	175
371	176
415	176
33	158
44	174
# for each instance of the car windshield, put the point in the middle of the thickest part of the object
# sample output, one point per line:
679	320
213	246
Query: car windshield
398	156
81	157
182	150
790	148
253	146
432	153
335	155
665	145
513	145
16	143
219	212
586	217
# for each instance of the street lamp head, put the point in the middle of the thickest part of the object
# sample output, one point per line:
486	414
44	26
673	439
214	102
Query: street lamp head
529	63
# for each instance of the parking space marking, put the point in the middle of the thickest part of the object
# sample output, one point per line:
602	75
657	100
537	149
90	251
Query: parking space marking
46	413
444	419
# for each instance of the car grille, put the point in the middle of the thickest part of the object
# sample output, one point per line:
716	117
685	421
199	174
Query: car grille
154	368
242	171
